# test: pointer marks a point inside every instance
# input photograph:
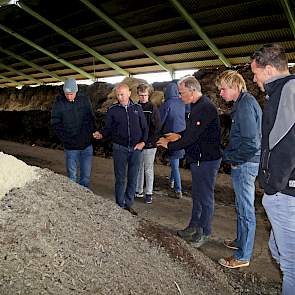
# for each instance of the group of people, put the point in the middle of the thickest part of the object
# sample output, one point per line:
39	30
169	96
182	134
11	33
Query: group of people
260	143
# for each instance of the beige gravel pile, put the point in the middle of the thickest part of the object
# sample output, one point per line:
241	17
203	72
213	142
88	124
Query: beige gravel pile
14	173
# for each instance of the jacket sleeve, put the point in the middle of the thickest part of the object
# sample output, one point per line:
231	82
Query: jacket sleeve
92	118
106	131
57	120
164	111
156	121
250	135
197	124
143	125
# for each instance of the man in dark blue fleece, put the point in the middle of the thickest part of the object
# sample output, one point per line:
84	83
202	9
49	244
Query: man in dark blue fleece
202	143
127	127
277	165
243	154
73	121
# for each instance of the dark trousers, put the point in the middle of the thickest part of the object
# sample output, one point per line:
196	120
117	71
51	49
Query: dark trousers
126	161
203	182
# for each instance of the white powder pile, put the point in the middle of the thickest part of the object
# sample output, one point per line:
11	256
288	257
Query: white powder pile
14	173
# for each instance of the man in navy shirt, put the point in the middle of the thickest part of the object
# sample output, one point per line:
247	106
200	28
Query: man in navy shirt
127	127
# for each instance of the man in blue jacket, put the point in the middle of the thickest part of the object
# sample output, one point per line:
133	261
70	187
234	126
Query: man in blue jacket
173	121
243	154
202	141
73	121
127	127
277	165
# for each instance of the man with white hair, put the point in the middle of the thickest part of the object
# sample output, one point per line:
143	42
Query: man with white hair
202	143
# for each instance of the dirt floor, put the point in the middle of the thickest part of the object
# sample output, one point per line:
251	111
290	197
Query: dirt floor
171	214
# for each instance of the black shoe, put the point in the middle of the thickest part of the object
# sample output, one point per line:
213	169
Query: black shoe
148	199
175	195
188	232
132	211
198	240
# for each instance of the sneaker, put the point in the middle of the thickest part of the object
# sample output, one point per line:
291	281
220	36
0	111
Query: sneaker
231	244
148	199
199	240
188	232
139	195
131	210
171	184
231	262
175	195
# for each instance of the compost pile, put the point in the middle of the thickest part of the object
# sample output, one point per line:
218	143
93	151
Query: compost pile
57	237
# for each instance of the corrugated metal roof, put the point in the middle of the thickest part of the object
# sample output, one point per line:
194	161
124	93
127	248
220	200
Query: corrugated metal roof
237	28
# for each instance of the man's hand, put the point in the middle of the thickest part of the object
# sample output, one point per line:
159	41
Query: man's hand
163	142
172	136
139	146
97	135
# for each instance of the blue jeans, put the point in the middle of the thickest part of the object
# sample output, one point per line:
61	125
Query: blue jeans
84	159
125	158
243	178
280	209
203	182
146	171
175	174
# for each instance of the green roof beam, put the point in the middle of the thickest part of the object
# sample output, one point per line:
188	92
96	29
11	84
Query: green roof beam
128	36
46	52
289	11
11	81
28	77
31	64
200	32
74	40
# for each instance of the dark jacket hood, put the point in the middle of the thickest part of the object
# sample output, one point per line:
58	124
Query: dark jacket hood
172	91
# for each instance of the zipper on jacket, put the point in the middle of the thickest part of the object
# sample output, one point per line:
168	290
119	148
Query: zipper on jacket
128	126
265	164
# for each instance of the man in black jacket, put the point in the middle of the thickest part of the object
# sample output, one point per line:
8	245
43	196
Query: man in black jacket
73	121
277	164
127	127
202	143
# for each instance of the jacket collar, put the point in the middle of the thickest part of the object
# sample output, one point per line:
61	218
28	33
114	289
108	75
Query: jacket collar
271	84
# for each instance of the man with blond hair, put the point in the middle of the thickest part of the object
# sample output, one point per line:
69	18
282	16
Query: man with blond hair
127	127
243	154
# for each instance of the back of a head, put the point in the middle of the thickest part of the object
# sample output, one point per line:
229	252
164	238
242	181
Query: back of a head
171	91
70	86
271	54
231	78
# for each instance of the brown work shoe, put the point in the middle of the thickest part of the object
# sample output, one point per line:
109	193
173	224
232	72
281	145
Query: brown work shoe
231	262
231	244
